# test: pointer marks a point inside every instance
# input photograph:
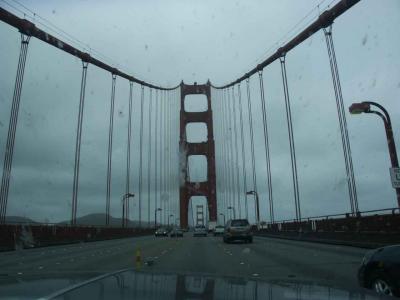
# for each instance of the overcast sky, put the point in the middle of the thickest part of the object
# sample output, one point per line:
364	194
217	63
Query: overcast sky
165	42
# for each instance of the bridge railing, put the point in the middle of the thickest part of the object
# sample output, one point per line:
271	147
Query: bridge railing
380	220
20	236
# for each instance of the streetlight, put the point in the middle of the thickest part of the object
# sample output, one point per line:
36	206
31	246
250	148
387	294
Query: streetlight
224	218
125	198
365	107
155	216
234	212
257	204
171	215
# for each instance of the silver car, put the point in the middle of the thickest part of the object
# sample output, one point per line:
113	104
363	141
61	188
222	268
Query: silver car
238	229
200	230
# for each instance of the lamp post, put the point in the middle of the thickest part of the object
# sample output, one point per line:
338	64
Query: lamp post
171	215
234	212
155	216
365	107
224	218
125	198
257	205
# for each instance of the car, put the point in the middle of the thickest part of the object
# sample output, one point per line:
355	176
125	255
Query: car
200	230
219	230
176	232
380	270
238	229
161	232
211	226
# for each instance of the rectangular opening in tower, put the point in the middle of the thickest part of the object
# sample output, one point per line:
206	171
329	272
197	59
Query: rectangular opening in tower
195	103
196	132
197	167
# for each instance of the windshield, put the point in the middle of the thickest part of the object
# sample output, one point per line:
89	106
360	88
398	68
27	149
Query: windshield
239	223
244	139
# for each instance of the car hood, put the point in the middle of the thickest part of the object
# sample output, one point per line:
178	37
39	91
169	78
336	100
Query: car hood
131	284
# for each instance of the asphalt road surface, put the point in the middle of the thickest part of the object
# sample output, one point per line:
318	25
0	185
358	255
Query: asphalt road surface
267	258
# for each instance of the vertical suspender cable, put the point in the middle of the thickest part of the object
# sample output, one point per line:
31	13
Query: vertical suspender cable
168	152
166	213
253	161
156	154
161	157
243	153
78	144
223	152
229	114
128	150
342	120
226	154
239	206
141	154
266	144
291	139
12	128
149	160
110	144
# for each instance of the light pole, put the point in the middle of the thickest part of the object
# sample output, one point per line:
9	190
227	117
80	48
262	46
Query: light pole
258	206
171	215
224	218
234	212
125	198
365	107
155	216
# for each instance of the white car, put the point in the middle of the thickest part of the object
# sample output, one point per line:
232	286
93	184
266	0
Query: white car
200	230
219	230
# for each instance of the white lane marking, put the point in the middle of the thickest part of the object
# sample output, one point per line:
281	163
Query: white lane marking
242	263
19	273
255	274
40	267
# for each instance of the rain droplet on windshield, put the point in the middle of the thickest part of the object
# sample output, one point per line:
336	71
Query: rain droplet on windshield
364	40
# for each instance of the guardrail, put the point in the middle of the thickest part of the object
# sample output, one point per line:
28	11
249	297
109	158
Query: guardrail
365	229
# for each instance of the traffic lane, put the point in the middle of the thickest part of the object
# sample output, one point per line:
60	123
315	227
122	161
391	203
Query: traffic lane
96	258
266	258
48	274
26	256
270	258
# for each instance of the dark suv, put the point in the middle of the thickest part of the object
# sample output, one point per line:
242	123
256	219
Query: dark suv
238	229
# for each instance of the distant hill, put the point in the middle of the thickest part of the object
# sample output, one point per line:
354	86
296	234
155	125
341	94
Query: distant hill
99	219
18	219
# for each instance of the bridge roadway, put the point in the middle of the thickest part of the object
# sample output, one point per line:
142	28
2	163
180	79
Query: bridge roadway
267	258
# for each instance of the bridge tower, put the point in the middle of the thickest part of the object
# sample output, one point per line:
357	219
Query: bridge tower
207	148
